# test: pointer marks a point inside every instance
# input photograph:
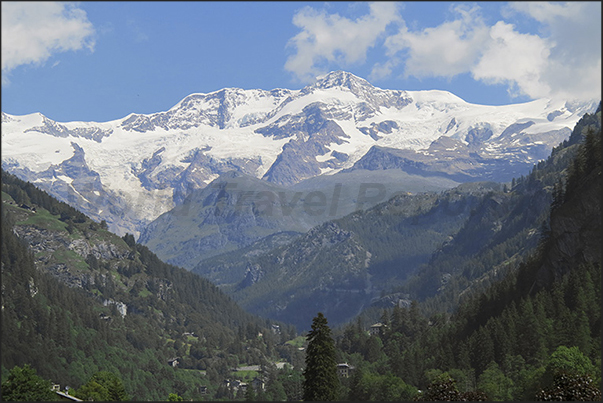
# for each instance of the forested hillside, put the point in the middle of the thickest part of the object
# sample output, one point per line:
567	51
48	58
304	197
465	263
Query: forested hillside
535	334
77	300
339	266
503	229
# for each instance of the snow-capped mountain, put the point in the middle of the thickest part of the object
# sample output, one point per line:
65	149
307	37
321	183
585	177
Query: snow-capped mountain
131	170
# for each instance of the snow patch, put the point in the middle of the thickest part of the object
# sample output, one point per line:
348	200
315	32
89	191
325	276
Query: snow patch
64	178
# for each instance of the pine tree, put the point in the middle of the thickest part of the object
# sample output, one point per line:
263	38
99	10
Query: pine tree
249	395
398	319
482	348
321	382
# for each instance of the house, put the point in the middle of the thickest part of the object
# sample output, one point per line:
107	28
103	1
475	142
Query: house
173	362
276	329
26	207
258	384
376	329
235	385
344	370
203	390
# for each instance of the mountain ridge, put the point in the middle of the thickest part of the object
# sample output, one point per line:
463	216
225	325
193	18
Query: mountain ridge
147	164
431	247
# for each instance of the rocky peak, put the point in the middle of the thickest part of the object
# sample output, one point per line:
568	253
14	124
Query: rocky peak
6	118
217	109
341	79
55	129
365	91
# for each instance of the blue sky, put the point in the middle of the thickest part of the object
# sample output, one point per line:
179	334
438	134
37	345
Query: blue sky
100	61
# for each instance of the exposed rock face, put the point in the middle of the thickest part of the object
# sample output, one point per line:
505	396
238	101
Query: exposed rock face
253	274
41	240
312	132
121	307
385	127
100	250
477	134
396	299
58	130
465	160
44	243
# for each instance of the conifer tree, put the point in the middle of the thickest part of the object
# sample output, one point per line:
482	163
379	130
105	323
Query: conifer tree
398	319
249	395
321	382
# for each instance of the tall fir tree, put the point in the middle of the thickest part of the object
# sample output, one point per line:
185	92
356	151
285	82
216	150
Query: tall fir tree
320	375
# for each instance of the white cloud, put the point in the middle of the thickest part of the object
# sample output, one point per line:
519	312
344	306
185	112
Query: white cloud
561	58
515	59
549	12
33	31
446	50
573	30
562	61
331	39
383	70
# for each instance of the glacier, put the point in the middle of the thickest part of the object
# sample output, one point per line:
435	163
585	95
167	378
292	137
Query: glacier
129	171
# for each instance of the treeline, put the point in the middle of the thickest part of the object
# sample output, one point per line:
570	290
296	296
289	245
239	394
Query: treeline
25	193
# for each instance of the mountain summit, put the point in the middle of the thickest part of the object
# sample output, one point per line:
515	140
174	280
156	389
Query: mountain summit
342	80
131	170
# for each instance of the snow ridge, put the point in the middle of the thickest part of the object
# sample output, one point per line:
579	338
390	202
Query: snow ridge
149	163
